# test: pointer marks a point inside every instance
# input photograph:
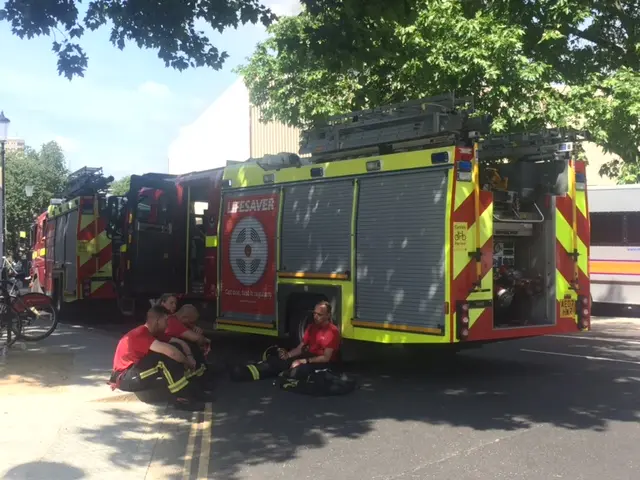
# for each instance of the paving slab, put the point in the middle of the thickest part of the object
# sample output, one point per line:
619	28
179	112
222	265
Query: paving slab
63	418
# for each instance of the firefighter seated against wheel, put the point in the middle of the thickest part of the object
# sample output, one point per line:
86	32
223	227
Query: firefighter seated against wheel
180	326
145	356
320	343
318	350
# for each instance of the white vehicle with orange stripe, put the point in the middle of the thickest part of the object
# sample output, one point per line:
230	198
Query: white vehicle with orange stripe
615	244
413	226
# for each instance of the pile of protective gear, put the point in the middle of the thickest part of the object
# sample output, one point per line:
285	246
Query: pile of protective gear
322	381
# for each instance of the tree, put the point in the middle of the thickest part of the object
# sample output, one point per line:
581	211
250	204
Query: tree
315	65
296	81
168	26
121	187
595	46
45	170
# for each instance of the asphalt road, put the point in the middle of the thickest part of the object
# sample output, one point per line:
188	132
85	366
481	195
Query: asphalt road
545	408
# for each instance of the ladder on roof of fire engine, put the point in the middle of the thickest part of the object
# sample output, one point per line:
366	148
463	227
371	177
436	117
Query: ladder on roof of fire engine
547	145
387	129
86	181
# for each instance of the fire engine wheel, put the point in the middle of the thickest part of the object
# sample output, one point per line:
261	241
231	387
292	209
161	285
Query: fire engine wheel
298	323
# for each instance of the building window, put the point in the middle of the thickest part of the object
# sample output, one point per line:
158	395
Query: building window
607	229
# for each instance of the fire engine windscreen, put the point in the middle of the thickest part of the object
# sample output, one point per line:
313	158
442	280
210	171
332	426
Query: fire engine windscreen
524	240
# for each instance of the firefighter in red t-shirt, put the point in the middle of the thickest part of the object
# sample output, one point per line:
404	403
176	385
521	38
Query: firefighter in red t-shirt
180	326
320	343
145	355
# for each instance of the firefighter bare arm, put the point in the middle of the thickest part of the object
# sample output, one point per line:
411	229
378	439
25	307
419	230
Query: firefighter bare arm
170	351
192	336
292	353
324	358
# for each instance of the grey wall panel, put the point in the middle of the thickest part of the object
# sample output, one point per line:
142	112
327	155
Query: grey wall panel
400	249
316	227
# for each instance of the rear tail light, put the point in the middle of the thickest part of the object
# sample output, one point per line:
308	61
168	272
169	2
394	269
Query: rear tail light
462	320
582	309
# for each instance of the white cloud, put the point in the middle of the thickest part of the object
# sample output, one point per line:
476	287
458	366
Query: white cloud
284	7
68	145
154	89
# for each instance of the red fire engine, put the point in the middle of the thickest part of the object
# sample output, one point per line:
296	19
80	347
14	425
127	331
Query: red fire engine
164	237
71	252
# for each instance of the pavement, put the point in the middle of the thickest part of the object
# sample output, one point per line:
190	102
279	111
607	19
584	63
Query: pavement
543	408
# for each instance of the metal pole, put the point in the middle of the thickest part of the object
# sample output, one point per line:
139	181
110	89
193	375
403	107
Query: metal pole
4	210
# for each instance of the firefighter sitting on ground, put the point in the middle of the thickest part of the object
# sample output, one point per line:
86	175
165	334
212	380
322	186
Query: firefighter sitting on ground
318	350
182	324
320	343
170	302
145	356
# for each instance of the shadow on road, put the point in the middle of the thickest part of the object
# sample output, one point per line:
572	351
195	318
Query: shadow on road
257	424
44	470
132	434
501	389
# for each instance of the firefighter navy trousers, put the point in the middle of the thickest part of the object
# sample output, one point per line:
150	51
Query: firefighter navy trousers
154	368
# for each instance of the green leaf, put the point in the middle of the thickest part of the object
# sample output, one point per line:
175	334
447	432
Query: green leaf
168	27
44	170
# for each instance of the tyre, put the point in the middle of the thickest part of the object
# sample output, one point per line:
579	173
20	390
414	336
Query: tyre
25	304
298	323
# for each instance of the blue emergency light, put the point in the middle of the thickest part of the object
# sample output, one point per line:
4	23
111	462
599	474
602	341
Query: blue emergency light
440	157
464	166
581	178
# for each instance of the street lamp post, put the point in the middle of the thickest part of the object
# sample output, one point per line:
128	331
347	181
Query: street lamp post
4	132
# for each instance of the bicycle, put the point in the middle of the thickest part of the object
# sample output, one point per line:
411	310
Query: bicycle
18	311
13	275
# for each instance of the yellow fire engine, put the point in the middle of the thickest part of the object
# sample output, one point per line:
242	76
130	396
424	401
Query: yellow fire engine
415	225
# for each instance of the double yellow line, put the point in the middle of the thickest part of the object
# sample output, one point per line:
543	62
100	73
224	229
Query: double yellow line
203	426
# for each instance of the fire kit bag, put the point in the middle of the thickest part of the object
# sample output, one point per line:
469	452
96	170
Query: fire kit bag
321	383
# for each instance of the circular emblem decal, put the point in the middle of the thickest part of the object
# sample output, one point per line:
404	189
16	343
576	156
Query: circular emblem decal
248	251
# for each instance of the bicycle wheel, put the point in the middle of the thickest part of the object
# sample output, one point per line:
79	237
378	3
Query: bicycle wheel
34	309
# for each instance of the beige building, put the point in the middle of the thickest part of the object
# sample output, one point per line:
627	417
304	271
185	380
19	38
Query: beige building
14	145
596	158
230	129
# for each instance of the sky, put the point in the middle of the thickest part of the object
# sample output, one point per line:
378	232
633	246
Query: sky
126	110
